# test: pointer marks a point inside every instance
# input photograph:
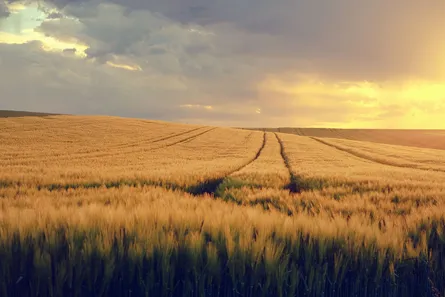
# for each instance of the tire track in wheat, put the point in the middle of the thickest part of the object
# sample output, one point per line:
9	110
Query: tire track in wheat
206	187
184	140
293	184
258	154
374	160
114	150
210	186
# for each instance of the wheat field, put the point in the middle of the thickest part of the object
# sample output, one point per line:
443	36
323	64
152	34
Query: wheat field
434	139
106	206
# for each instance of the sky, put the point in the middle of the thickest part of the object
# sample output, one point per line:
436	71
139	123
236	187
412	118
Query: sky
250	63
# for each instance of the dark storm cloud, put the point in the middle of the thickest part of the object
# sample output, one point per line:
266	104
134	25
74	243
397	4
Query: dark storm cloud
163	47
347	38
107	29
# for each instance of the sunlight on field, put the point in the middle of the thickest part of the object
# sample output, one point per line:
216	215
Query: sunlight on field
114	203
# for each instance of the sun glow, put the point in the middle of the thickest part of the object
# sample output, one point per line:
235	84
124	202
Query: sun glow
406	104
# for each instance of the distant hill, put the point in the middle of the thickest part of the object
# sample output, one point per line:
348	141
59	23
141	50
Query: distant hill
16	114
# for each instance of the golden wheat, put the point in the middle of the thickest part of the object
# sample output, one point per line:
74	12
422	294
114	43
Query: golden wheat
268	170
66	150
433	139
312	159
410	157
178	210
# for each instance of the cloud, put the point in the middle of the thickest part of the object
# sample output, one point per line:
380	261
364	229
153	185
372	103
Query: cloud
258	62
54	15
70	50
374	40
207	107
47	81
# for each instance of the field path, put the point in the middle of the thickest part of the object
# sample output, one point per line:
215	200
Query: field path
183	140
264	182
431	139
155	139
211	186
207	186
267	162
130	148
258	154
104	149
292	186
372	159
177	134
